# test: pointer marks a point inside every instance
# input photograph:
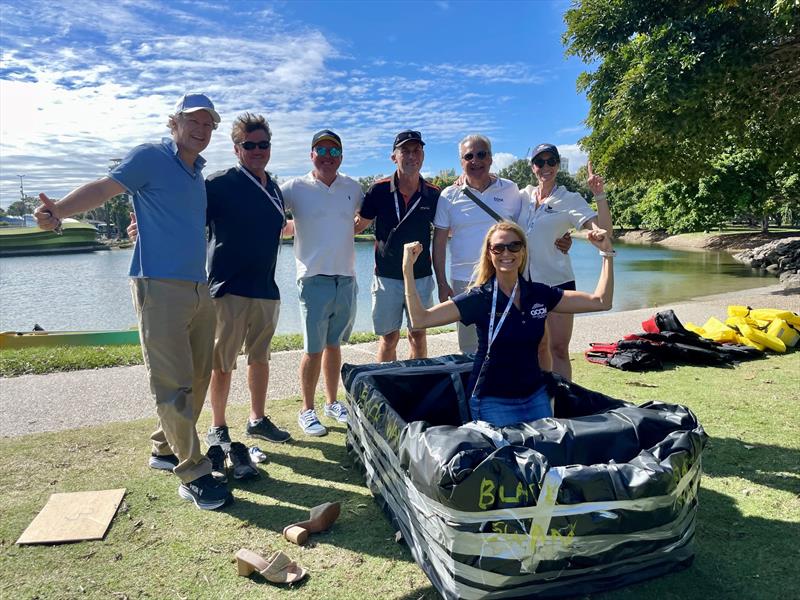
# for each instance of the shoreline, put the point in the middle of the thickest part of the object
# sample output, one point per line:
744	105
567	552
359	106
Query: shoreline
730	241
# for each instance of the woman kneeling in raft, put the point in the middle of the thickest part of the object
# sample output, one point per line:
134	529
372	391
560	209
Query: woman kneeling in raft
509	312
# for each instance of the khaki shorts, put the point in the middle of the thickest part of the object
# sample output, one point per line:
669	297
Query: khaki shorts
248	321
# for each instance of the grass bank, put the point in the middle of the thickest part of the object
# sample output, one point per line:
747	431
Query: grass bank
39	361
162	547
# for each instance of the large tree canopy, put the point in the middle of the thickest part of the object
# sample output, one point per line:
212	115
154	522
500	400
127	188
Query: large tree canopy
680	83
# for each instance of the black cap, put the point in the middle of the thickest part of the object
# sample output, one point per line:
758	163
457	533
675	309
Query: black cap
546	148
326	134
407	136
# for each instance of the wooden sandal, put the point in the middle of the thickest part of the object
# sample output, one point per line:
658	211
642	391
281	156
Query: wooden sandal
278	568
320	519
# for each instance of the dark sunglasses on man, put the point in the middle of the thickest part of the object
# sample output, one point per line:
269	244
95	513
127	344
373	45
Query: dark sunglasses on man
540	162
322	151
480	155
262	145
513	247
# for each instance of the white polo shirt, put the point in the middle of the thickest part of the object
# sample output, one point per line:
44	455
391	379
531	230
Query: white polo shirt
323	224
468	222
559	213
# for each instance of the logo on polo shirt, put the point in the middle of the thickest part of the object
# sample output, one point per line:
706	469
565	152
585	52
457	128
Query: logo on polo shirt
497	199
539	311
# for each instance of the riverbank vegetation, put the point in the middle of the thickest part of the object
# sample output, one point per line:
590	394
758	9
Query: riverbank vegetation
159	546
39	361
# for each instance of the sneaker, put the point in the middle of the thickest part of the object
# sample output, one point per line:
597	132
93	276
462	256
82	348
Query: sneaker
165	462
243	467
309	423
266	430
217	457
218	436
205	492
337	411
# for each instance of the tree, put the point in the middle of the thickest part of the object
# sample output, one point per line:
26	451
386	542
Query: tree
366	182
25	206
444	178
679	83
520	173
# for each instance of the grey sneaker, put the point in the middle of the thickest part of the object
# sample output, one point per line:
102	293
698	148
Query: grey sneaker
336	410
206	493
165	462
266	430
217	457
218	436
309	423
243	467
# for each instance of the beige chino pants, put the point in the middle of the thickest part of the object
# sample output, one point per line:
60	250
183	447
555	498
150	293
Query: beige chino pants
176	328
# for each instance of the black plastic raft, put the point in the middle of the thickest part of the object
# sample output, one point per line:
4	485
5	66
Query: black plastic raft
602	495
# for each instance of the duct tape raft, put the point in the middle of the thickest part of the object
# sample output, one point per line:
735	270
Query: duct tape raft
602	495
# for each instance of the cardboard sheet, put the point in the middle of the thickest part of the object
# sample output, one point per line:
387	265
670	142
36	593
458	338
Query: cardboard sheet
73	517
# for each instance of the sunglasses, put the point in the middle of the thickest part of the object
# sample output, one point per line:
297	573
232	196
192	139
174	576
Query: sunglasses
322	151
511	247
263	145
480	155
540	162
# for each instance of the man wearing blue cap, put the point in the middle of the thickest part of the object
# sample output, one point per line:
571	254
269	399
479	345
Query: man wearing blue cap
168	285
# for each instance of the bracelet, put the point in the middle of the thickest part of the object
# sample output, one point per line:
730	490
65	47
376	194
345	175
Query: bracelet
601	196
606	254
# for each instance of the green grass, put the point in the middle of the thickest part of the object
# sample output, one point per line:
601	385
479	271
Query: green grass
38	361
159	546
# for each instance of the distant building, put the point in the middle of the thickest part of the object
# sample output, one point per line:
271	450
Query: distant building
565	164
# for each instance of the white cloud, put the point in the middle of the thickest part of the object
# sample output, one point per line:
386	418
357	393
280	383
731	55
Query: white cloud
570	130
501	160
577	157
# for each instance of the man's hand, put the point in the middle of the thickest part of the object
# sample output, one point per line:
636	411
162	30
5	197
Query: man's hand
133	228
46	214
445	291
564	243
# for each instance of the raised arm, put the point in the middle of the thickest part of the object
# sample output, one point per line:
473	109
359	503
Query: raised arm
597	186
49	214
422	318
439	259
601	299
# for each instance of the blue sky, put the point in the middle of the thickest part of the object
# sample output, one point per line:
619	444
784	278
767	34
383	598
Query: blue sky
84	82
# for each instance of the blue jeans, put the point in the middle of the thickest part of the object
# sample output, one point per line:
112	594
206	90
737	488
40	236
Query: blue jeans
510	411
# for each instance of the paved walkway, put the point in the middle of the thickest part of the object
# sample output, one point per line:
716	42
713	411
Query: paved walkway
59	401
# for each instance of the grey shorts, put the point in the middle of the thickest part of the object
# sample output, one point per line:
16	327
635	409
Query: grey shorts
389	303
328	306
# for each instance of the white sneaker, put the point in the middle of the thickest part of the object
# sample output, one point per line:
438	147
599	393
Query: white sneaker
336	411
309	423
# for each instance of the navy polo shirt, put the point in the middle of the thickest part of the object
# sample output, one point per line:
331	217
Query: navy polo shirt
244	236
513	370
379	204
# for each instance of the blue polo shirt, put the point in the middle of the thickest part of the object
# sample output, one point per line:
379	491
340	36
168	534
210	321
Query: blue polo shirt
245	228
513	370
169	200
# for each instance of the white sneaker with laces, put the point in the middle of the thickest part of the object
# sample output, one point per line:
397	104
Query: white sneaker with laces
337	411
309	423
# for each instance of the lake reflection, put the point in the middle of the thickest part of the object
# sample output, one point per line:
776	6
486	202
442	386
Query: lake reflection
90	291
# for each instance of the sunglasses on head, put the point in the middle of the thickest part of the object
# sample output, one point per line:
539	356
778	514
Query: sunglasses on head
322	151
540	162
480	155
511	247
263	145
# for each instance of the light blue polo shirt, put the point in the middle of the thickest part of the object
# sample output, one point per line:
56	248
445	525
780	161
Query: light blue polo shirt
169	200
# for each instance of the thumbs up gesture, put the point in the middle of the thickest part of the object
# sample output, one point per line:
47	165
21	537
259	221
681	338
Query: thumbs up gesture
46	214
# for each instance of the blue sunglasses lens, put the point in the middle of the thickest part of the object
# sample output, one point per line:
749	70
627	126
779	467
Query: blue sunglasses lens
322	151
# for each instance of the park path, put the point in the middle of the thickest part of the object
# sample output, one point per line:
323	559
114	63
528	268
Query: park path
59	401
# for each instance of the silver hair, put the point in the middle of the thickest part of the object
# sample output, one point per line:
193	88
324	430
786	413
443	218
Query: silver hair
475	137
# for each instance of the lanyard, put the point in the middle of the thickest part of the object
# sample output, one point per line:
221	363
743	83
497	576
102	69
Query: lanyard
492	331
275	201
397	207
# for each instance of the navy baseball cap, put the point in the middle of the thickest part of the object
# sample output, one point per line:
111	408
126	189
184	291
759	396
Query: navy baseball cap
326	134
407	136
190	103
546	148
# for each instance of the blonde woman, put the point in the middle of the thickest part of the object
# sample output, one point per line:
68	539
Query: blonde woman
506	385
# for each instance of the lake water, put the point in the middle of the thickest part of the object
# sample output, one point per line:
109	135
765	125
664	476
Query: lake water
90	291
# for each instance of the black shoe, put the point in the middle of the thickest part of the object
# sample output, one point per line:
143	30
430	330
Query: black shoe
165	462
243	467
217	457
266	430
205	492
218	436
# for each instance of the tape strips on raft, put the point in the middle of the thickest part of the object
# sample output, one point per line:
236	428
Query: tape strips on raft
446	567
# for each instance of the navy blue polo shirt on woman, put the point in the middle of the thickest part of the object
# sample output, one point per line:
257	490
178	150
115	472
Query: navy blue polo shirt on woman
382	203
244	235
513	369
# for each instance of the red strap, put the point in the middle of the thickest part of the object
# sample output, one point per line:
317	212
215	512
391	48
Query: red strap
650	325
